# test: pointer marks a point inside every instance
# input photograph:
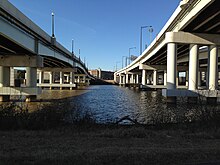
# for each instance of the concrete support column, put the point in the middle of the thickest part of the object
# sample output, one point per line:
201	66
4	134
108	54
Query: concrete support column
213	67
137	79
31	81
123	79
177	78
84	79
31	77
171	69
155	78
4	76
199	79
127	79
61	77
4	81
132	79
148	78
120	79
193	67
68	78
207	77
187	78
12	76
41	77
115	78
171	65
165	78
51	77
143	77
78	79
61	80
71	78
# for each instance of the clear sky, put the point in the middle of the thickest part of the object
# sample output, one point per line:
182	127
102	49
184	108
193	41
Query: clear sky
103	30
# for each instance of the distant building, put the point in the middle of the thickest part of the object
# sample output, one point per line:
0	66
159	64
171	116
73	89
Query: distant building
100	74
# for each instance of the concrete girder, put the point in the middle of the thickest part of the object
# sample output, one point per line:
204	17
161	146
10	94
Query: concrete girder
21	61
57	69
202	55
161	67
192	38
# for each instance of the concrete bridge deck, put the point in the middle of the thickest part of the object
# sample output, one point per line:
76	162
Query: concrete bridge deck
24	44
186	49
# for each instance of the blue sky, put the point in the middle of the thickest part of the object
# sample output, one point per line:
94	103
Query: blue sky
103	30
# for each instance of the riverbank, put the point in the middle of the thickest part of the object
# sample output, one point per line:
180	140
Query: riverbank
105	144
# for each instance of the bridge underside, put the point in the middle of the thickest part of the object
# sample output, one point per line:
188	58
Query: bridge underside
187	58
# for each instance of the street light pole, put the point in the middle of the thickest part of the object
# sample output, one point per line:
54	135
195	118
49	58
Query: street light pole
129	55
72	46
150	30
52	14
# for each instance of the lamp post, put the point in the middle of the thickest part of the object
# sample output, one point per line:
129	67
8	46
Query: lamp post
72	46
129	55
150	30
73	56
52	14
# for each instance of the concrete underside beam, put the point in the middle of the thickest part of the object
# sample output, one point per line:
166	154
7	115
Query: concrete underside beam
161	67
18	91
47	69
21	61
192	38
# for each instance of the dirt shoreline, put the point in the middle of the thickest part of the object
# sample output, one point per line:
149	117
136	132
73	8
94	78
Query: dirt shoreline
102	144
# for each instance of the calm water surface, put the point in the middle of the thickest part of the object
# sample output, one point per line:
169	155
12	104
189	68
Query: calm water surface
110	103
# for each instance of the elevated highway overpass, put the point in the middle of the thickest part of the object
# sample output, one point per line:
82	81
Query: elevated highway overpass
24	44
188	43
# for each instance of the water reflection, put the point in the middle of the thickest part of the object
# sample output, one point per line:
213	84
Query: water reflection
111	103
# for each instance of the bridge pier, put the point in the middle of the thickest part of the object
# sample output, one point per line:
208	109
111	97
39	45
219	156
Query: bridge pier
41	77
213	70
137	79
143	77
71	79
193	70
4	82
61	80
171	70
165	78
148	78
193	75
155	77
55	78
31	82
126	78
193	67
120	79
51	77
213	67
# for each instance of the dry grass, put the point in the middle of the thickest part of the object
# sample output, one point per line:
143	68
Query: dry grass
42	137
109	145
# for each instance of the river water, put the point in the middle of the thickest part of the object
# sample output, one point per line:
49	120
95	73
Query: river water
110	103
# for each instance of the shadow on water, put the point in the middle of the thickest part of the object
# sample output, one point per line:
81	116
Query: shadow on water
109	103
